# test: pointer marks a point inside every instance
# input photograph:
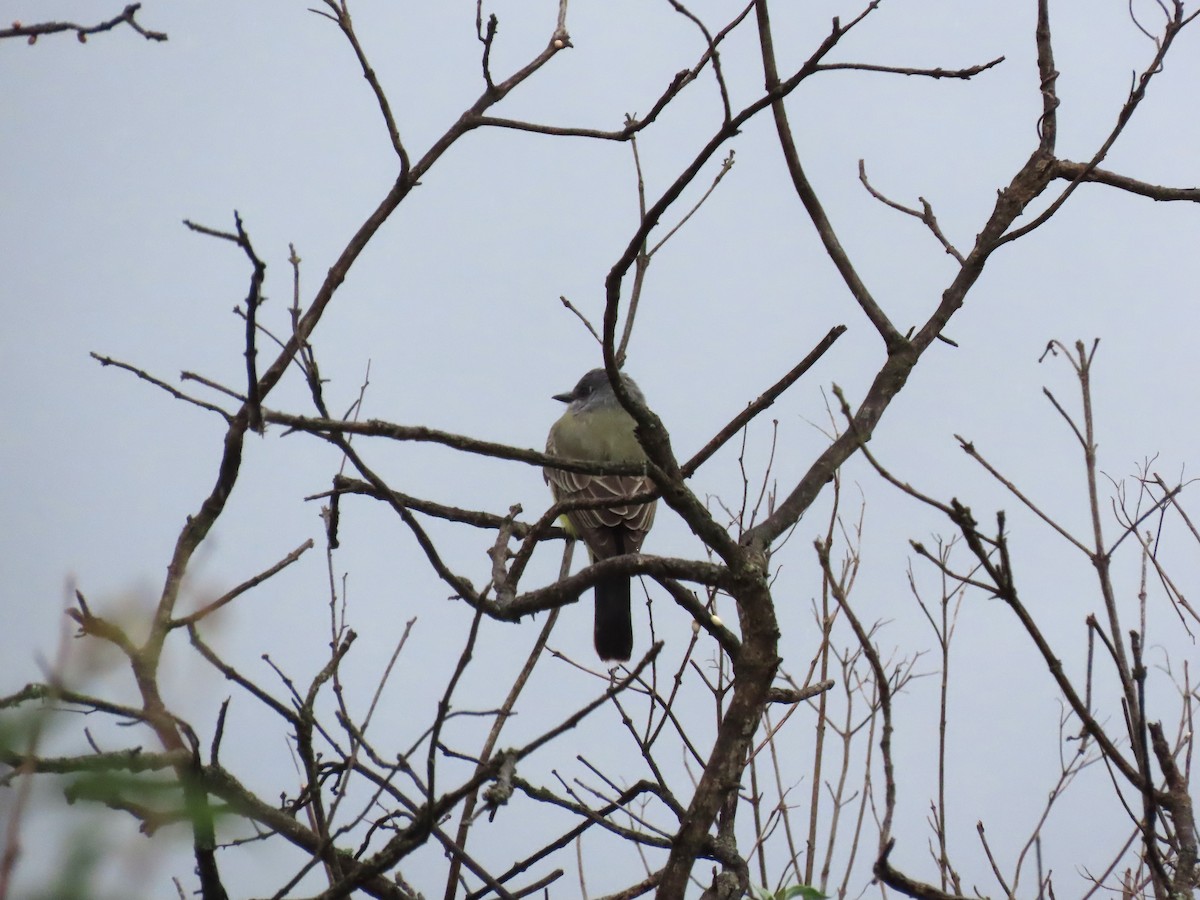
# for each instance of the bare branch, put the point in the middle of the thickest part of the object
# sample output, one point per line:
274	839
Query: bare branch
964	74
159	383
233	594
1174	25
816	212
341	15
1075	171
1048	75
925	214
127	17
768	397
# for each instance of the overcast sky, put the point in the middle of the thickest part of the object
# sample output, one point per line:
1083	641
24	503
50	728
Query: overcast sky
261	108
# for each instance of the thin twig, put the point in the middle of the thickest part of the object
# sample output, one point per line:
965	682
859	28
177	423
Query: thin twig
127	17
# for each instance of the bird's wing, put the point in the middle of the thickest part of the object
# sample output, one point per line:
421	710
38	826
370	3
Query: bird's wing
611	530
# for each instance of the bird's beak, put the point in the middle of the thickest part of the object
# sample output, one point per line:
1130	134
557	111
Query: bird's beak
564	398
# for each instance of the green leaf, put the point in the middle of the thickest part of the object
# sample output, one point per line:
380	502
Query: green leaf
804	891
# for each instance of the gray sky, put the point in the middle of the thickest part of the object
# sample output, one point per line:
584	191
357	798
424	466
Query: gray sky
262	109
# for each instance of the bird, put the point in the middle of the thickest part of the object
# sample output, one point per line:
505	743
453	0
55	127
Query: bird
596	428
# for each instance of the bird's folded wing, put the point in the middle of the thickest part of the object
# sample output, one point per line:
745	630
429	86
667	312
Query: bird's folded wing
608	530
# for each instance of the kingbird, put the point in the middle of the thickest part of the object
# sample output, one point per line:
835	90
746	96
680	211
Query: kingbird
596	428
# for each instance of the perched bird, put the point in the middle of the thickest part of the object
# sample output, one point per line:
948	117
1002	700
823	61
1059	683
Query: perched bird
596	428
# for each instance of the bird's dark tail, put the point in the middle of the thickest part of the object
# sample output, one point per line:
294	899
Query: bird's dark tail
614	626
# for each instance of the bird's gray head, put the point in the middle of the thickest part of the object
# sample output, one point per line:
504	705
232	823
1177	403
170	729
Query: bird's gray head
595	392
